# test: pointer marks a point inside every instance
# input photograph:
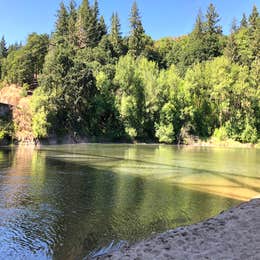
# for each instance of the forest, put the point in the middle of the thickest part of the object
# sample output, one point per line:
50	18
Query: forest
87	79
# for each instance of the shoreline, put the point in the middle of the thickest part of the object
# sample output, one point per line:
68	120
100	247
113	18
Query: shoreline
233	234
69	141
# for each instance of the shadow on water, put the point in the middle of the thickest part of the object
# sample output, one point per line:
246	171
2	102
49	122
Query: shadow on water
56	204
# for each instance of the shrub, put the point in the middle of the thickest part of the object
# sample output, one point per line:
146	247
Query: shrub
249	135
165	133
221	134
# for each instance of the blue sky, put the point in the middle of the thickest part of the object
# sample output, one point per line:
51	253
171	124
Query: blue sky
160	17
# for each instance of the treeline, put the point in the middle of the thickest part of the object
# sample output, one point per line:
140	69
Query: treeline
92	81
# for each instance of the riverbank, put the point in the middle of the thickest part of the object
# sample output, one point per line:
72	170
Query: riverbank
233	234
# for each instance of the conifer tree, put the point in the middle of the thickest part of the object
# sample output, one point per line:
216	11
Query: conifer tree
254	32
98	30
234	26
212	33
102	28
213	20
3	48
62	21
231	50
86	26
96	10
115	35
72	23
196	48
136	42
254	18
199	26
243	22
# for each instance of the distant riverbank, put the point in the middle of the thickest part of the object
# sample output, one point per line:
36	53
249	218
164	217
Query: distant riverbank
233	234
84	140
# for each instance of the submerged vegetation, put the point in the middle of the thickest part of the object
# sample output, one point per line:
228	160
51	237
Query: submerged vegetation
91	81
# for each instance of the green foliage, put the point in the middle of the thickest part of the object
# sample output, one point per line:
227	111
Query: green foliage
3	48
25	89
62	23
25	64
136	38
165	133
221	134
249	135
175	90
115	36
6	128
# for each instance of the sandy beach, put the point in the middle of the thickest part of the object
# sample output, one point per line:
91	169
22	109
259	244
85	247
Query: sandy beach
233	234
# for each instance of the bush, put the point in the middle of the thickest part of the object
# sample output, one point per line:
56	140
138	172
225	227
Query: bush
165	133
249	135
131	132
221	134
25	89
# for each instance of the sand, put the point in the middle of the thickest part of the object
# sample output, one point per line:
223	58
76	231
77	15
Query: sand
234	234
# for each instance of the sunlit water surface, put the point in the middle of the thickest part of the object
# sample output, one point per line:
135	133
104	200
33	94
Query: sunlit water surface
62	202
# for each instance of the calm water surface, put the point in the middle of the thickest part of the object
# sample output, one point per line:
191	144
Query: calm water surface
61	202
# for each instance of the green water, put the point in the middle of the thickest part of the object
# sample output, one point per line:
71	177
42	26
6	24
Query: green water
62	202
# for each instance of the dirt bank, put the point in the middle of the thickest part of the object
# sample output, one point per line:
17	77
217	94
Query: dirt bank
234	234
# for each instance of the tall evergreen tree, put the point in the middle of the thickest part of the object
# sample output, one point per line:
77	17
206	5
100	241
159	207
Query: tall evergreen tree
195	49
98	30
102	28
212	33
72	23
96	10
231	50
136	42
62	22
115	35
199	26
86	26
243	22
3	48
213	20
254	32
254	18
234	26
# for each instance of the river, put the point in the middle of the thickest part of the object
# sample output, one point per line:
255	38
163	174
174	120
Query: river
62	202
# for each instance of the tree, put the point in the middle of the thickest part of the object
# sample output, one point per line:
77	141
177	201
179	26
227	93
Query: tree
3	48
62	22
212	21
99	24
198	30
72	23
136	43
231	50
102	28
196	49
213	33
254	32
254	18
25	64
130	97
115	35
234	27
243	22
14	47
87	25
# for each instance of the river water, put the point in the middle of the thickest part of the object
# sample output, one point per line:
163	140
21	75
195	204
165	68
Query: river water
62	202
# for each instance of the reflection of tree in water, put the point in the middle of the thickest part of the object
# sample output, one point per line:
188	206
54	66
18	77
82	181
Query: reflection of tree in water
71	202
6	158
